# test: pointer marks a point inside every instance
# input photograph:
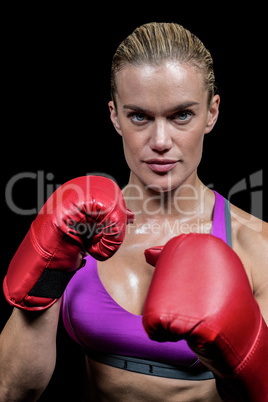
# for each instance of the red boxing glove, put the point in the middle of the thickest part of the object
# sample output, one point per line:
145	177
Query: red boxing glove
200	292
85	215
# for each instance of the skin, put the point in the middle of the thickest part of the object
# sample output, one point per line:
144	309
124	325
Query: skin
161	113
153	124
167	130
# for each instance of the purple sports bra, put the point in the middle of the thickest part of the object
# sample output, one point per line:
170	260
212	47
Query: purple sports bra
94	319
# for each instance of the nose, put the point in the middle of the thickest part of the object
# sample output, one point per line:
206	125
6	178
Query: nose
160	140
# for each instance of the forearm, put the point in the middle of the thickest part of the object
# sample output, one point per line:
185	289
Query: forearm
49	255
27	353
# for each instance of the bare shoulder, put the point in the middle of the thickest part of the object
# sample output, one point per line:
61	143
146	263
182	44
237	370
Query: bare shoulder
250	242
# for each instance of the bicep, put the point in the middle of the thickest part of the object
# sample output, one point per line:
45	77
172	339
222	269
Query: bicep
259	264
252	248
261	295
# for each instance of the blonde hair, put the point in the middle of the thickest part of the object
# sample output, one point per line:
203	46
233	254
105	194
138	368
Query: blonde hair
157	42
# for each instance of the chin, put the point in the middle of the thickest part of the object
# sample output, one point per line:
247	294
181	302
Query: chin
161	188
163	183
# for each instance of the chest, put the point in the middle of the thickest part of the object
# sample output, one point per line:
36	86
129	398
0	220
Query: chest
126	276
96	321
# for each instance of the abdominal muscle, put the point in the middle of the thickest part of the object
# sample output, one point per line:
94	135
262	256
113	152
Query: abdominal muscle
110	384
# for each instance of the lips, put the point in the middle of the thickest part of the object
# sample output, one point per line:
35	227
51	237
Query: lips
161	165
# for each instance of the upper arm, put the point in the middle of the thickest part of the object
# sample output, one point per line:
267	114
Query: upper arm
251	244
260	274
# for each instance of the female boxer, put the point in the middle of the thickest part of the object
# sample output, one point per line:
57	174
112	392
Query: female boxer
163	103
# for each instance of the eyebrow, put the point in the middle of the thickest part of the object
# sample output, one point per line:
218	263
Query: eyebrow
181	106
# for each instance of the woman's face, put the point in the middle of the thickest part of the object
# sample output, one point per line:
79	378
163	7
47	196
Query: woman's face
162	115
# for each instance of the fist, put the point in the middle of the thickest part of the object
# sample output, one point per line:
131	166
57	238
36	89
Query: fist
85	215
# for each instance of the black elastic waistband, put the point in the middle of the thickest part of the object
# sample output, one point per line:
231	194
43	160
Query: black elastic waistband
149	367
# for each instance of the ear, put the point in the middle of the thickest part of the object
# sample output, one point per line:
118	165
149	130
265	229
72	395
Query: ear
114	117
213	113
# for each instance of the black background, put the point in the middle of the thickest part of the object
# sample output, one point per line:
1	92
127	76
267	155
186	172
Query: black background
56	64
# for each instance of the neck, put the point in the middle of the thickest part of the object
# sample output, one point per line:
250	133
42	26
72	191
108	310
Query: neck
184	202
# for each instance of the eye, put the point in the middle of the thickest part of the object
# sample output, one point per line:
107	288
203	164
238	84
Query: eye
183	117
138	117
